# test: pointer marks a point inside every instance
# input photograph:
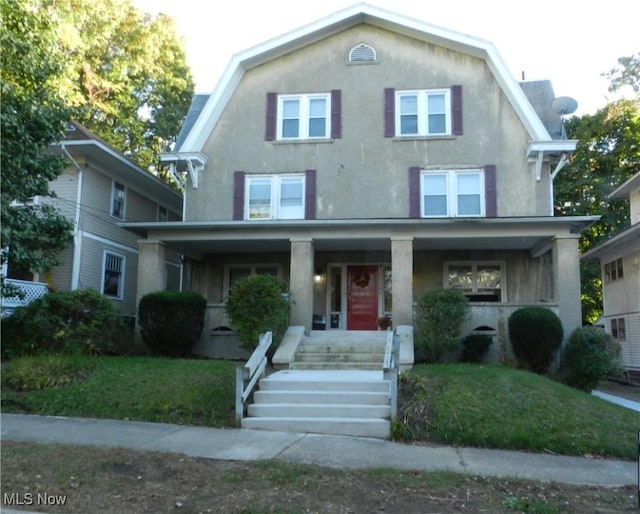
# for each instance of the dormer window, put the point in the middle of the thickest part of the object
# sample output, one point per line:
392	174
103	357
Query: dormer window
362	53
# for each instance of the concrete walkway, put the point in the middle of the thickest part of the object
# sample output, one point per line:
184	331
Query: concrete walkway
331	451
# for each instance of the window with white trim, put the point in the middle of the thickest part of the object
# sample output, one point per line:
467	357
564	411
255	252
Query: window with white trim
304	116
479	281
274	197
618	329
118	198
236	272
423	112
113	275
452	193
613	271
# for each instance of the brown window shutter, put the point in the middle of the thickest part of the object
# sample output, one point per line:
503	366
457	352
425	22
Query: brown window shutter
490	195
336	113
272	108
389	112
414	192
456	110
238	195
310	195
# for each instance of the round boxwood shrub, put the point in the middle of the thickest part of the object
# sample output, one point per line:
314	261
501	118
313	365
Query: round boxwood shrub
590	356
258	304
171	322
536	335
80	321
438	320
475	347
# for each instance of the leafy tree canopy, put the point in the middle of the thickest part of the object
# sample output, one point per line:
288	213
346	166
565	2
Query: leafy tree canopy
33	116
126	72
119	72
608	154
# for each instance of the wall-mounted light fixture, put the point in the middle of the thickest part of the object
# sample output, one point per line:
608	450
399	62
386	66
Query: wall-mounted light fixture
317	278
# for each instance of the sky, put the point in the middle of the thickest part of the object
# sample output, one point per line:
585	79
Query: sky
570	42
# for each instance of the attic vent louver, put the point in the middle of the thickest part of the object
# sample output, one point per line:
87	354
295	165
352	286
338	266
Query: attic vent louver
362	53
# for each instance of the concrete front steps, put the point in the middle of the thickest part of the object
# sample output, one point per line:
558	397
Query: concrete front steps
334	350
336	402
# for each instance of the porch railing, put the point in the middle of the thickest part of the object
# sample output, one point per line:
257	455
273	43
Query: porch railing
30	291
390	369
251	372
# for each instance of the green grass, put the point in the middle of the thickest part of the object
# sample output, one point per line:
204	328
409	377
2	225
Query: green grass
492	406
486	406
184	391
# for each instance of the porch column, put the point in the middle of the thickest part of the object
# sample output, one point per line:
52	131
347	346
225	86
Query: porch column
301	282
566	282
402	280
152	270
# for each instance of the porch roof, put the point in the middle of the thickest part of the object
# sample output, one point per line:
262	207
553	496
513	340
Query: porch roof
196	238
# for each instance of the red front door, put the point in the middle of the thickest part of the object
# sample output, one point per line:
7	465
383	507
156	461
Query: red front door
362	297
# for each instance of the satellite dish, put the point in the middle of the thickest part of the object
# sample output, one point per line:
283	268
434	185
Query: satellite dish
564	105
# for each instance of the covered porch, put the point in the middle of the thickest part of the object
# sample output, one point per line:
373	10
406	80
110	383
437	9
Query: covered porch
347	274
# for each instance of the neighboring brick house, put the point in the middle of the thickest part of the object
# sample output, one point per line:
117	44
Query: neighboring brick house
99	189
619	259
367	158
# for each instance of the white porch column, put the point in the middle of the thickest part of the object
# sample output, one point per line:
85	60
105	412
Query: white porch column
152	269
566	282
402	280
301	282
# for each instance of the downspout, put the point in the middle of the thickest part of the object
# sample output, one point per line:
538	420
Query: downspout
77	232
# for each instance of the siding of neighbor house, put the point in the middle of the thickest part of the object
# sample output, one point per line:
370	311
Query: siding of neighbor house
98	231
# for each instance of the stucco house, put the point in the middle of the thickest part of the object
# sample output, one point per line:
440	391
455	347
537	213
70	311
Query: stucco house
99	189
619	259
367	158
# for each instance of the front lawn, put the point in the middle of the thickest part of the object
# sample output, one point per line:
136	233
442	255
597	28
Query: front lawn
487	406
183	391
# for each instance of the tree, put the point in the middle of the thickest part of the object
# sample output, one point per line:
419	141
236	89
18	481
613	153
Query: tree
33	116
126	72
608	154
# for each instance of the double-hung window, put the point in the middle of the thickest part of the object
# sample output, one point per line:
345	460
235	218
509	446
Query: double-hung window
304	116
618	329
452	193
613	271
423	112
113	275
275	197
118	197
479	281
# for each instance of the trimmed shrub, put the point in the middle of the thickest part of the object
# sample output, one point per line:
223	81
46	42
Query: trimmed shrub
475	347
590	356
35	372
438	320
81	321
171	322
536	335
258	304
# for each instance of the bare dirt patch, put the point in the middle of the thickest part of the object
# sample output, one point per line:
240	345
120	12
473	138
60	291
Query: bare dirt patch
110	481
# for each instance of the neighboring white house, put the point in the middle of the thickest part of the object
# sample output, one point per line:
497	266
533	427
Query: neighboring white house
99	189
619	259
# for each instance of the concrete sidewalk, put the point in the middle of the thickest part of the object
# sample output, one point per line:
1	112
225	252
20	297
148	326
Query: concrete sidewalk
331	451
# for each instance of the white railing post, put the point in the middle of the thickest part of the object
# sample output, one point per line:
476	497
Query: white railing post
390	370
252	371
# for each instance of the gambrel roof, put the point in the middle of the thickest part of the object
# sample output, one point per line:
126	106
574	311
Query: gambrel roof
191	146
